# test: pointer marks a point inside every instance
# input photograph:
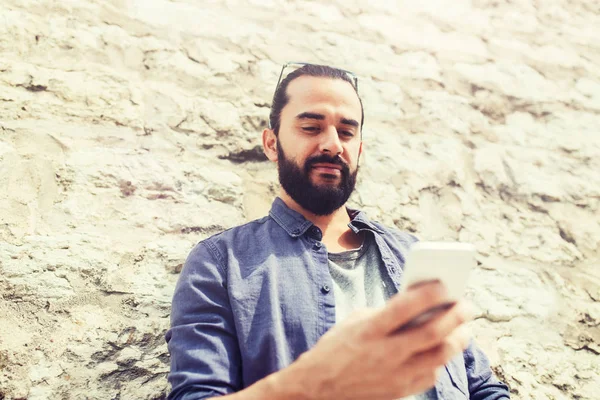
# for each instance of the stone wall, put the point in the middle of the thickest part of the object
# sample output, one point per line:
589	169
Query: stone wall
129	130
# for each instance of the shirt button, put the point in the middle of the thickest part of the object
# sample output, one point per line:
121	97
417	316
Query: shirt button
325	289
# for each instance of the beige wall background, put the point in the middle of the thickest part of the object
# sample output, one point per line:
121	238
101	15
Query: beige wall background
129	131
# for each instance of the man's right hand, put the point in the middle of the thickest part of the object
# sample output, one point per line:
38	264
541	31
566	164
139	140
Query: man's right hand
366	358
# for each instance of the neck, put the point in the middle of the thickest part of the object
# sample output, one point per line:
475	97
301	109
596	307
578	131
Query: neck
337	236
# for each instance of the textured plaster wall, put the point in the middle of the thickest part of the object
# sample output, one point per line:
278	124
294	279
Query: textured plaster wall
129	130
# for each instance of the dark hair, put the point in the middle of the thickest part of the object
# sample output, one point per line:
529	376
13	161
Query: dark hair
281	98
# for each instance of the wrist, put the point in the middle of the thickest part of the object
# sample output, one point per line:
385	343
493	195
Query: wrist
281	385
289	384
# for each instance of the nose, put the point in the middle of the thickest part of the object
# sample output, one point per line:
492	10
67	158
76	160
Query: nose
330	142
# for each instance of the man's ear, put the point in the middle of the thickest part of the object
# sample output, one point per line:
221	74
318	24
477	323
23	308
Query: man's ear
270	144
360	151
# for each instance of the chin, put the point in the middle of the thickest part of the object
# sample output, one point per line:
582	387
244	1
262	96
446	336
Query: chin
326	179
327	183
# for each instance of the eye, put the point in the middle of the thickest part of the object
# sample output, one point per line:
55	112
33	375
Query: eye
310	129
346	133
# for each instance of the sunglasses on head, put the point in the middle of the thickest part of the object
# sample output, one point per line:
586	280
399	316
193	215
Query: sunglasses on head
297	65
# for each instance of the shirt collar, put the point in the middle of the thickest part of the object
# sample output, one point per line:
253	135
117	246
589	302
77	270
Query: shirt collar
296	225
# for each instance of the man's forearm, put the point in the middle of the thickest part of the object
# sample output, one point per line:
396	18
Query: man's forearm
389	364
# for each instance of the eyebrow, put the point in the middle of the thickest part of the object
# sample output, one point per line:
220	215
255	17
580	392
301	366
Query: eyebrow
351	122
321	117
309	115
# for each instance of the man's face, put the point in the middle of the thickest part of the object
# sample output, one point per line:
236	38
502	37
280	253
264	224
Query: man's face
319	143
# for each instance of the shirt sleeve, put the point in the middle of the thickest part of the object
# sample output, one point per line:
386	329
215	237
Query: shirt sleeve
202	341
483	384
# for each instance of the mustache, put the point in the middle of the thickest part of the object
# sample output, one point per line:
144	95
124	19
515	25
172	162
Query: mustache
326	158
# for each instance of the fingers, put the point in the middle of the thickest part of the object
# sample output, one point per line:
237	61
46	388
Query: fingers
455	343
421	383
435	331
425	367
405	306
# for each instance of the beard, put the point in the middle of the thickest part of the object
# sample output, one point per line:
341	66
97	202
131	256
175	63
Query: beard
321	199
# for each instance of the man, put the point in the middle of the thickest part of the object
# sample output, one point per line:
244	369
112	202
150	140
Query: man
266	310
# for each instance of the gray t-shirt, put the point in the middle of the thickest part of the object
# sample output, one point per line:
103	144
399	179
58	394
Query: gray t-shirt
359	281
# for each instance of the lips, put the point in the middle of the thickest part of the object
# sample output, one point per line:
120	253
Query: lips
327	166
329	169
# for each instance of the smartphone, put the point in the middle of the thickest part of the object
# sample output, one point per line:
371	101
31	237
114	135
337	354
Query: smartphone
447	262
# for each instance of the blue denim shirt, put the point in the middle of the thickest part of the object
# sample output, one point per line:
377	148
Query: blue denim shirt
253	298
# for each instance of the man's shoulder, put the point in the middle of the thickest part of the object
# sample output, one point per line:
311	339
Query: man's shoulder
395	234
389	233
394	230
240	232
238	240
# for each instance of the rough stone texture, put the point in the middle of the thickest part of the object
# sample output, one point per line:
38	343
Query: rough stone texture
129	131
